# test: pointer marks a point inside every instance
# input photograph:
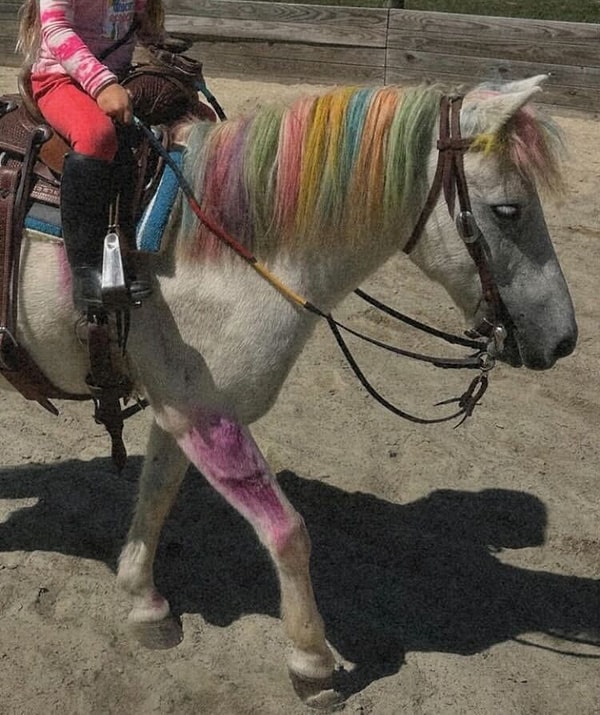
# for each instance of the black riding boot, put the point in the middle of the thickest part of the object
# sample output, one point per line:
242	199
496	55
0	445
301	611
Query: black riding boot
139	284
86	192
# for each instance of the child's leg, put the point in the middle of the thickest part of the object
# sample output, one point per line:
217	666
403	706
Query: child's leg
75	116
87	182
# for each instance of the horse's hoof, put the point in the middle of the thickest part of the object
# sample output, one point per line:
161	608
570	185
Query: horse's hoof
158	635
317	693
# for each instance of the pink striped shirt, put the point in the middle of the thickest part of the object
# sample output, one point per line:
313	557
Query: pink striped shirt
75	32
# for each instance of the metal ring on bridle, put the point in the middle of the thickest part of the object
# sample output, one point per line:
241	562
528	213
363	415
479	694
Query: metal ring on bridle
486	362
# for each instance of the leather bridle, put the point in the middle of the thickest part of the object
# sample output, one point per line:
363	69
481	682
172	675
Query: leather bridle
450	178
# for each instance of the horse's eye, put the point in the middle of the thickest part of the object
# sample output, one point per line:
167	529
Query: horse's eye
507	211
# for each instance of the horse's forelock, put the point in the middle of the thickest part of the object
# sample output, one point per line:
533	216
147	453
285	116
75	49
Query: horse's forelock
536	148
532	143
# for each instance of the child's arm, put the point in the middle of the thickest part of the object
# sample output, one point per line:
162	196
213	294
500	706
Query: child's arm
56	17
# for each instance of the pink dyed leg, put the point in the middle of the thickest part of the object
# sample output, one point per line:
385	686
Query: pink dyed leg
225	453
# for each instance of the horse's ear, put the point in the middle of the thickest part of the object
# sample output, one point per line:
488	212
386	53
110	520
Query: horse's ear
520	85
495	110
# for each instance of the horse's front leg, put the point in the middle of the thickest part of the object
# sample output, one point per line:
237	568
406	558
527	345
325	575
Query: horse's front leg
225	452
164	468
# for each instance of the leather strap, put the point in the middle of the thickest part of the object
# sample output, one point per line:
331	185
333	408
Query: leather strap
475	247
450	148
450	178
107	386
10	178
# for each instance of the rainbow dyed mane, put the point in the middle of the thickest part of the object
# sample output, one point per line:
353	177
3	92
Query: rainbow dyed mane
350	163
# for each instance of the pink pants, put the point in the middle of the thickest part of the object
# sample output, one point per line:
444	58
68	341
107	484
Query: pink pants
75	115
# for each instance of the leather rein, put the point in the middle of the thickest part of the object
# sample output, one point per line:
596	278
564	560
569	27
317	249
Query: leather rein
486	340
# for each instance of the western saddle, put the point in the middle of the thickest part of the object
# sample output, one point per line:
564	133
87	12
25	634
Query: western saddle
31	161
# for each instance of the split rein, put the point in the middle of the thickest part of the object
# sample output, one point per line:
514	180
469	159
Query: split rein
450	178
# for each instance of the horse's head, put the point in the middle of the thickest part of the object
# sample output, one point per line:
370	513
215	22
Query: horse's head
513	152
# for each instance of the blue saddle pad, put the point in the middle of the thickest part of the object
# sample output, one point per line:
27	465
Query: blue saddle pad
45	219
152	224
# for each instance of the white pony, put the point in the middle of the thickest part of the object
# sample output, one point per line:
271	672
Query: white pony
323	193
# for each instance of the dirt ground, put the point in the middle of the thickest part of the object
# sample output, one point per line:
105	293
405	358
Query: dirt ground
456	569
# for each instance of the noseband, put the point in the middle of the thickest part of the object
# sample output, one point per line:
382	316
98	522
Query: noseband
450	178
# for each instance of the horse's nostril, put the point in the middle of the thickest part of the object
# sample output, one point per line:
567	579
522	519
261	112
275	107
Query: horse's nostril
565	347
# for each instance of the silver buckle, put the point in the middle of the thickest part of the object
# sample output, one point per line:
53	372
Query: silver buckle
467	227
496	341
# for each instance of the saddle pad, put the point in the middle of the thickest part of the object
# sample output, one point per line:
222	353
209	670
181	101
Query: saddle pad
151	226
45	219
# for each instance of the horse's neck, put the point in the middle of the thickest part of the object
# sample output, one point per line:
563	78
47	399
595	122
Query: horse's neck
326	268
348	266
328	279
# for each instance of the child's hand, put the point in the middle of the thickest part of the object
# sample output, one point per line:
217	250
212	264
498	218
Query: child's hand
115	101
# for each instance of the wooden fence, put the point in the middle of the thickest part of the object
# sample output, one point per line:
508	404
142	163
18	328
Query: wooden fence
326	44
8	31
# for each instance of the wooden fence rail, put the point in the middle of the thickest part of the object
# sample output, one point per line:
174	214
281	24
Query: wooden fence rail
326	44
460	48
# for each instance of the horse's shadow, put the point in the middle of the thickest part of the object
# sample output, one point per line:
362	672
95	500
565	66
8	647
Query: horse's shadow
389	578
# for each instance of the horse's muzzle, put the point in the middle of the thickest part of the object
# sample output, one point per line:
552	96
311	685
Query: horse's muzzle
518	353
